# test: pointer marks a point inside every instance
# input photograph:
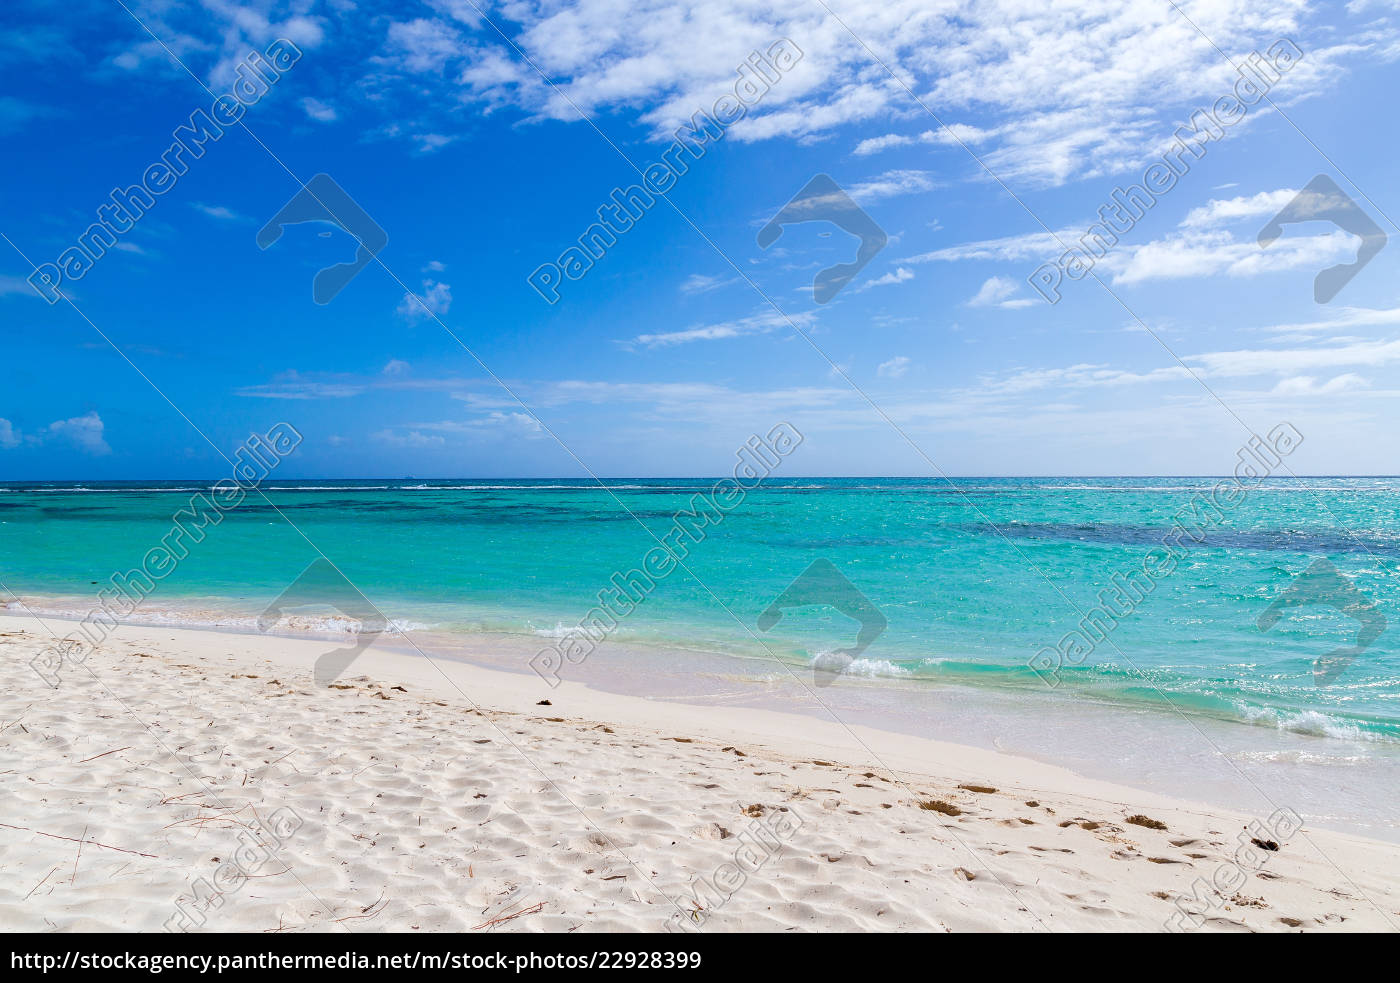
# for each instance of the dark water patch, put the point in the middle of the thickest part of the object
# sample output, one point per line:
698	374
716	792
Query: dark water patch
1269	540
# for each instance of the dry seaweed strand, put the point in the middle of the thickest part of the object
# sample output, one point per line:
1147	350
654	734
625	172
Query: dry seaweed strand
533	909
55	836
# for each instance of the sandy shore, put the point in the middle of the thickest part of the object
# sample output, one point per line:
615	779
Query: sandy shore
197	780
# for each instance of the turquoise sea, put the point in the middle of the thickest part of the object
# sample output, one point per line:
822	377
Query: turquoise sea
973	577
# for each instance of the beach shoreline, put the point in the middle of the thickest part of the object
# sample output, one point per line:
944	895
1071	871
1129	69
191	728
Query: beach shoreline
1334	778
459	797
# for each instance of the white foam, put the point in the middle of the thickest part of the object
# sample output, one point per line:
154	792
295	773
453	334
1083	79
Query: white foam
873	668
1310	722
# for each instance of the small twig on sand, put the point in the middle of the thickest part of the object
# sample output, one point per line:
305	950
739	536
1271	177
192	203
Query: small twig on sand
368	912
280	927
39	885
104	754
55	836
505	918
287	755
16	720
78	857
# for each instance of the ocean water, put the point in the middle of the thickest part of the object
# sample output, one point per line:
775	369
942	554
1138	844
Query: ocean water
973	578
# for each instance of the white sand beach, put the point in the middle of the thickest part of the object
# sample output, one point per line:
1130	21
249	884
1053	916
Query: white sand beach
414	798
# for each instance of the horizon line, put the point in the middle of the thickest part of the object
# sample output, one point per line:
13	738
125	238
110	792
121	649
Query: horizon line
596	480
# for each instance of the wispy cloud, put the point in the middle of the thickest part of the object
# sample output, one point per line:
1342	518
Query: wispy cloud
894	368
900	274
761	323
1223	211
1202	246
697	283
393	377
320	111
411	438
220	212
1068	91
891	184
951	135
999	291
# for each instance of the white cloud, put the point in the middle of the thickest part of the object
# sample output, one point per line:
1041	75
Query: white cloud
891	184
1304	385
894	368
1220	254
1071	89
761	323
319	111
85	432
522	424
1219	212
1298	361
296	385
999	291
900	274
1297	370
1007	249
9	436
1048	92
428	142
216	35
874	145
218	211
1343	317
699	284
953	134
411	438
995	290
1083	375
436	298
16	285
424	45
1201	247
497	422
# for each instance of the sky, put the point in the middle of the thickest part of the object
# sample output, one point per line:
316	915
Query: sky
981	139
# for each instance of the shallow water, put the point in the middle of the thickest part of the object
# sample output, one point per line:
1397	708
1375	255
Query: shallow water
973	581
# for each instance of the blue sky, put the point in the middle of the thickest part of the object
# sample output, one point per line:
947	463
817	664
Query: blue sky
965	131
